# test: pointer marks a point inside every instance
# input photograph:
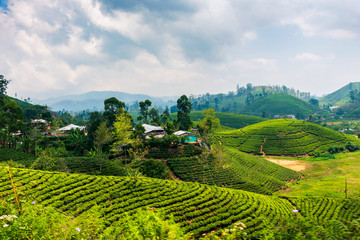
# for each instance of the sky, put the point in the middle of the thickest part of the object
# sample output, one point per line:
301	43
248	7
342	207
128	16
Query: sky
50	48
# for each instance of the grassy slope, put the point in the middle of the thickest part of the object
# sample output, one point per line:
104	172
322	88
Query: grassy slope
236	170
327	177
340	96
277	104
197	208
284	137
232	120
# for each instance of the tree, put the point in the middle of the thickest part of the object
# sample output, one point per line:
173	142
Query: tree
183	114
139	131
93	124
102	137
154	116
208	125
3	85
112	106
144	109
314	102
122	133
11	115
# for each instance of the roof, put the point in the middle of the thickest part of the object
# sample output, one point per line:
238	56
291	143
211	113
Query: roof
151	128
71	126
181	132
39	121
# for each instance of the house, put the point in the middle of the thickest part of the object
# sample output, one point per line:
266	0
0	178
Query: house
41	124
150	129
189	137
284	116
64	131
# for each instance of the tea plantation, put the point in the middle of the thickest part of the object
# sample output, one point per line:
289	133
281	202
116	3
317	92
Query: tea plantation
284	137
237	170
197	208
16	155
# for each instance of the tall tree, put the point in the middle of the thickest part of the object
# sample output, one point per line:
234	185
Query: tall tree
112	106
144	109
102	137
208	125
183	114
122	133
3	85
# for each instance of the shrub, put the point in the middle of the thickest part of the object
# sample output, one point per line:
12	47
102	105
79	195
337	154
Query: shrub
48	163
352	147
152	168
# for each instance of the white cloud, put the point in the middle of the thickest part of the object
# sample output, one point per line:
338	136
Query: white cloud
49	47
308	57
313	57
128	24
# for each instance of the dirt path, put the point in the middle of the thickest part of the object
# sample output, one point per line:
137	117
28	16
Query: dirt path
291	164
174	177
261	147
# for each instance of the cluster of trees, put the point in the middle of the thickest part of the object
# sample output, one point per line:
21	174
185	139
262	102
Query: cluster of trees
113	132
230	102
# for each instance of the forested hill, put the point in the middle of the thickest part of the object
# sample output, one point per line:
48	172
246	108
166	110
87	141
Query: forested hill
33	111
341	96
280	104
236	101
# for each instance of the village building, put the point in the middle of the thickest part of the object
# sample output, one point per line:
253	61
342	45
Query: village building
189	137
41	124
64	131
284	116
150	129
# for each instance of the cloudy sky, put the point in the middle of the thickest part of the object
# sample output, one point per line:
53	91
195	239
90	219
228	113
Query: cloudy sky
51	48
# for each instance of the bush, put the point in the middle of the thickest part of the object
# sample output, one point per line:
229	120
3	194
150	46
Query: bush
152	168
48	163
352	147
336	149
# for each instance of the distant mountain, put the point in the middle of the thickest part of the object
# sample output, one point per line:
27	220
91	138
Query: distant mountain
341	96
95	100
279	104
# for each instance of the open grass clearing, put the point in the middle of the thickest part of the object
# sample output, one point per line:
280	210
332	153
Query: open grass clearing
295	165
327	177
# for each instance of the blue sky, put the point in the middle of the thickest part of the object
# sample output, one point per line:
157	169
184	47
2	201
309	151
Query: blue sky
51	48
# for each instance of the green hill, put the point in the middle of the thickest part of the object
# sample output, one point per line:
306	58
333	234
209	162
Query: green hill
33	111
341	96
198	209
236	170
279	104
232	120
284	137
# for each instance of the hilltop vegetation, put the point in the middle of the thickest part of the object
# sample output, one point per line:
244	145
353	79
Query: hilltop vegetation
198	209
284	137
280	104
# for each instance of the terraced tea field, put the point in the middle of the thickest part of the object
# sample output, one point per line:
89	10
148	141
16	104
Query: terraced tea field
197	208
284	137
16	155
238	170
